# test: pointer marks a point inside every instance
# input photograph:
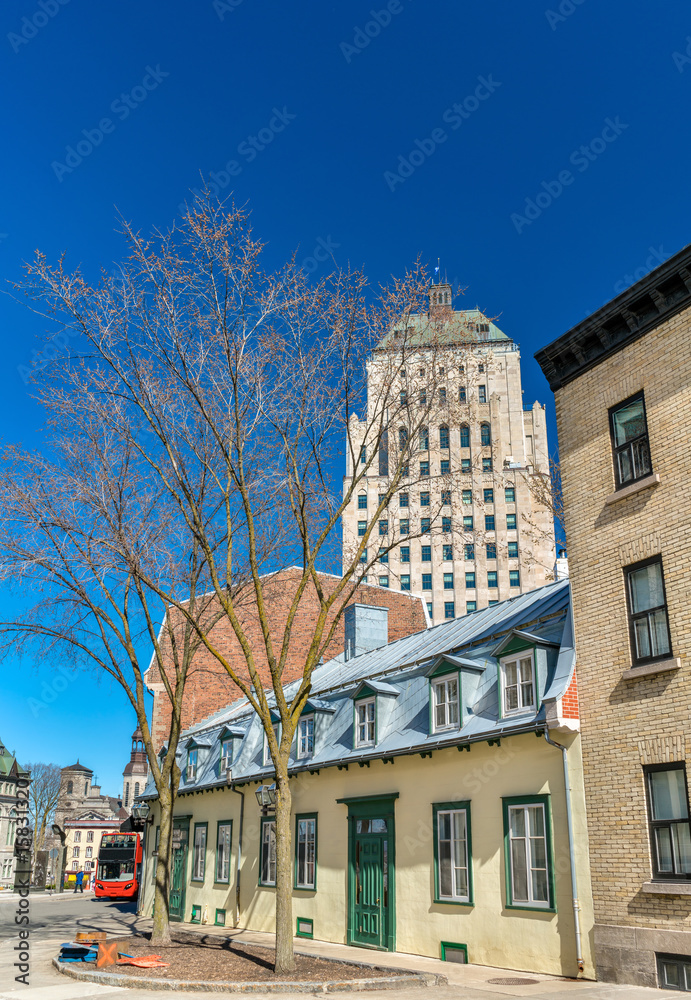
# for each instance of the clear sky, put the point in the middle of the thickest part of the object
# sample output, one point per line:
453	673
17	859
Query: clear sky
539	149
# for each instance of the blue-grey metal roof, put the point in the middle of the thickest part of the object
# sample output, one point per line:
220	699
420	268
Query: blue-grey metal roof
401	668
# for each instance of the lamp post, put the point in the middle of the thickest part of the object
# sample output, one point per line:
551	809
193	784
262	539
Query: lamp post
266	797
59	832
140	816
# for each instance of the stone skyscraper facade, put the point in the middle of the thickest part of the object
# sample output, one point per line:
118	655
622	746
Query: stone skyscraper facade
468	526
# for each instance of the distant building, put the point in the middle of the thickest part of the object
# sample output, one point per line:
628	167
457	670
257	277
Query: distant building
84	840
622	384
479	533
14	782
78	796
134	775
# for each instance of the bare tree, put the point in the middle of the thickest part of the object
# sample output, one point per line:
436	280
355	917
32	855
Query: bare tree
198	439
44	792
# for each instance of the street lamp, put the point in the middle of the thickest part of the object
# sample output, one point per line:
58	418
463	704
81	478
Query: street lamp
140	810
266	797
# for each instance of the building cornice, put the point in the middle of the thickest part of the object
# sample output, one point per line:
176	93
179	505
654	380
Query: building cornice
651	301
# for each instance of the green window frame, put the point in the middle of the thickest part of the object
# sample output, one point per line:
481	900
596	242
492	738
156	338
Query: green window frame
154	855
224	842
196	917
452	951
304	927
267	851
192	764
199	852
220	920
305	870
528	841
453	856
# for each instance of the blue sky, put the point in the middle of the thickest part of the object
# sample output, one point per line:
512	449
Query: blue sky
549	168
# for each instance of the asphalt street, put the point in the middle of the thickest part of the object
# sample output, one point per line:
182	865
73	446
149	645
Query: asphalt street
55	919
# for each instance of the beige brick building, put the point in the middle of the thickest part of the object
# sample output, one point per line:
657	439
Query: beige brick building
466	529
622	380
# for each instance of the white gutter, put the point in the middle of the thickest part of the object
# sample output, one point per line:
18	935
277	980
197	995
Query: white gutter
572	857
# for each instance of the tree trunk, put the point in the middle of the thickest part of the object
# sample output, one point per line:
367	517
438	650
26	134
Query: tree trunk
285	960
160	934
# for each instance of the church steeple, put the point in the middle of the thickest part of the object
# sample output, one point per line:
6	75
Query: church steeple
135	773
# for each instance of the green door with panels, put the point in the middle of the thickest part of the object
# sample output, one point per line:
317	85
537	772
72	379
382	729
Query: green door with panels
371	873
178	868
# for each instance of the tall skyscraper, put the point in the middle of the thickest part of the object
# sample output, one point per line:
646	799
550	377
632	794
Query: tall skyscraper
468	525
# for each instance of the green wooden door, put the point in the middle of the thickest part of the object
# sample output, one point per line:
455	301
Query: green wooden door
178	874
370	918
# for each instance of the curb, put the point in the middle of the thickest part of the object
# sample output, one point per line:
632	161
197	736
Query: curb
401	981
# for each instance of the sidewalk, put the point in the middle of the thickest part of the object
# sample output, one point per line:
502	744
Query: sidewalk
465	982
8	897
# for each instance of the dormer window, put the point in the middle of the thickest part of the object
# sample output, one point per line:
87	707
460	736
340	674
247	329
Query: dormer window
267	752
192	761
518	683
365	719
445	703
226	753
305	739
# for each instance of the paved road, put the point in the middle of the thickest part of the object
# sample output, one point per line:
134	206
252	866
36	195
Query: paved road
56	919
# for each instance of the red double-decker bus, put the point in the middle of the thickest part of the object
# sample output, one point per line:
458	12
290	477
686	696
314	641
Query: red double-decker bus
119	865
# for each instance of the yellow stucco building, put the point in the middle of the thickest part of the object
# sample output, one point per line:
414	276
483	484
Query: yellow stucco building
431	815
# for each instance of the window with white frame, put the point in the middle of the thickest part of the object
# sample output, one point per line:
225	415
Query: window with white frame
90	836
305	852
518	683
89	852
192	760
267	873
445	703
267	753
199	856
305	738
77	836
75	852
223	838
451	836
527	847
226	753
365	710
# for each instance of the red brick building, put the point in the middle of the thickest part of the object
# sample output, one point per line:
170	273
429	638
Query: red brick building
209	688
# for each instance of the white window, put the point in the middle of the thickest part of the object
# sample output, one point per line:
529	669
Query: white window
88	865
306	853
518	681
89	853
75	852
226	754
268	858
75	866
445	703
223	853
90	837
267	752
364	722
199	861
192	759
306	736
452	854
529	881
77	836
